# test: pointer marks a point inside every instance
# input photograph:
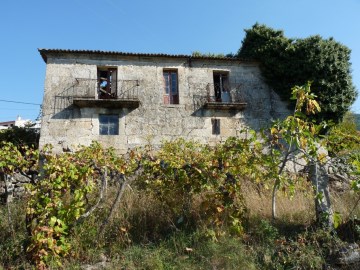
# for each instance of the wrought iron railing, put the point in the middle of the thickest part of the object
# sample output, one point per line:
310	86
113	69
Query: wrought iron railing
89	89
227	95
224	93
128	89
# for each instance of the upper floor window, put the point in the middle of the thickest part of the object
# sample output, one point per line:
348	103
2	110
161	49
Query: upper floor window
221	86
107	83
171	93
108	124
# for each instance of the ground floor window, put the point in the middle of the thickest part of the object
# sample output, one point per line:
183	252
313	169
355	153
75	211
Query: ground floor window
109	124
215	126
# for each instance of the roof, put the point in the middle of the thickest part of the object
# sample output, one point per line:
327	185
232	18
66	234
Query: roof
45	52
7	123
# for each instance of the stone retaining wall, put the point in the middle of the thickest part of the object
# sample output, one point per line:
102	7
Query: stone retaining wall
12	187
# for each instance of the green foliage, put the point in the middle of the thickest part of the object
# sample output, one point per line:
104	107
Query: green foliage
264	232
182	169
291	246
355	183
357	121
22	136
343	138
294	135
202	188
61	196
211	55
286	62
189	251
343	142
12	245
300	253
186	186
17	158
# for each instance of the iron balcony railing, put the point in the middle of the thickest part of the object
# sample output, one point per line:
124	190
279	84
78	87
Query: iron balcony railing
89	89
216	96
224	93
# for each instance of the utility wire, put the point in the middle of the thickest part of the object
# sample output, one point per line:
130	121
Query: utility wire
20	102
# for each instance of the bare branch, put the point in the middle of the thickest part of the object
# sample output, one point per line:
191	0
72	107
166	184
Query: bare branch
100	199
119	195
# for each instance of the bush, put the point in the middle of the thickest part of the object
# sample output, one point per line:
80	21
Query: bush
21	136
287	62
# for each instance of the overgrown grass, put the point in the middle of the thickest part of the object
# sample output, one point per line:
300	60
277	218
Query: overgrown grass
187	251
144	234
13	237
298	208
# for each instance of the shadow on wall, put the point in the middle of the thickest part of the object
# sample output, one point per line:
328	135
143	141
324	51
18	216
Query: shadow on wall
74	112
256	108
70	112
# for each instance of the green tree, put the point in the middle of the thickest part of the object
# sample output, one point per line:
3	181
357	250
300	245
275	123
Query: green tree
294	138
286	62
21	136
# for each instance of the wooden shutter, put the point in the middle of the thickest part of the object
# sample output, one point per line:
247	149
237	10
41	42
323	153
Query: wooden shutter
113	74
166	76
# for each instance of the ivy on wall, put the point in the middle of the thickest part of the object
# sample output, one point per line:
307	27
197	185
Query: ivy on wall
286	62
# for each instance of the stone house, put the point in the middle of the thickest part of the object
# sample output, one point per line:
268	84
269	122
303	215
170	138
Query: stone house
126	100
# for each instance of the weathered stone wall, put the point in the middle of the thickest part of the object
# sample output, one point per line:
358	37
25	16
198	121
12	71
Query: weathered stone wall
12	187
153	121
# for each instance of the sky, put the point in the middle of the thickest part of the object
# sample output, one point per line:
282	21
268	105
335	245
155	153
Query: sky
151	26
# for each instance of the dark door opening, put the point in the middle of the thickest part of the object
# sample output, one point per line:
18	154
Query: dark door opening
107	83
221	87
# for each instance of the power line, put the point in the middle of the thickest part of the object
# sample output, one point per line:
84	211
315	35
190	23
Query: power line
20	102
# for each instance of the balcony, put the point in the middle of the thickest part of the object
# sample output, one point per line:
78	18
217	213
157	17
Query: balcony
87	93
224	97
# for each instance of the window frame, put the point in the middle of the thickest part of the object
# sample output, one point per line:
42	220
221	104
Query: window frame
108	76
223	86
216	128
170	88
108	124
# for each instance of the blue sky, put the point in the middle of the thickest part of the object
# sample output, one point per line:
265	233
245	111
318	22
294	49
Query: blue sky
157	26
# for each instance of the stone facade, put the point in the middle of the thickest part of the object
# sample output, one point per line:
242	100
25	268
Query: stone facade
12	186
154	97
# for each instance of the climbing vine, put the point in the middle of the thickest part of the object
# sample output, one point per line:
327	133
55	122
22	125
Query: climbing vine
70	187
286	62
67	188
183	169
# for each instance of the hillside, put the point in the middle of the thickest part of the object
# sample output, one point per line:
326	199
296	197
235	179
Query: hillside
357	120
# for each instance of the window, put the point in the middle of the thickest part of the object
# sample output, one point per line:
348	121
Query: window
108	124
215	126
107	83
221	86
171	94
